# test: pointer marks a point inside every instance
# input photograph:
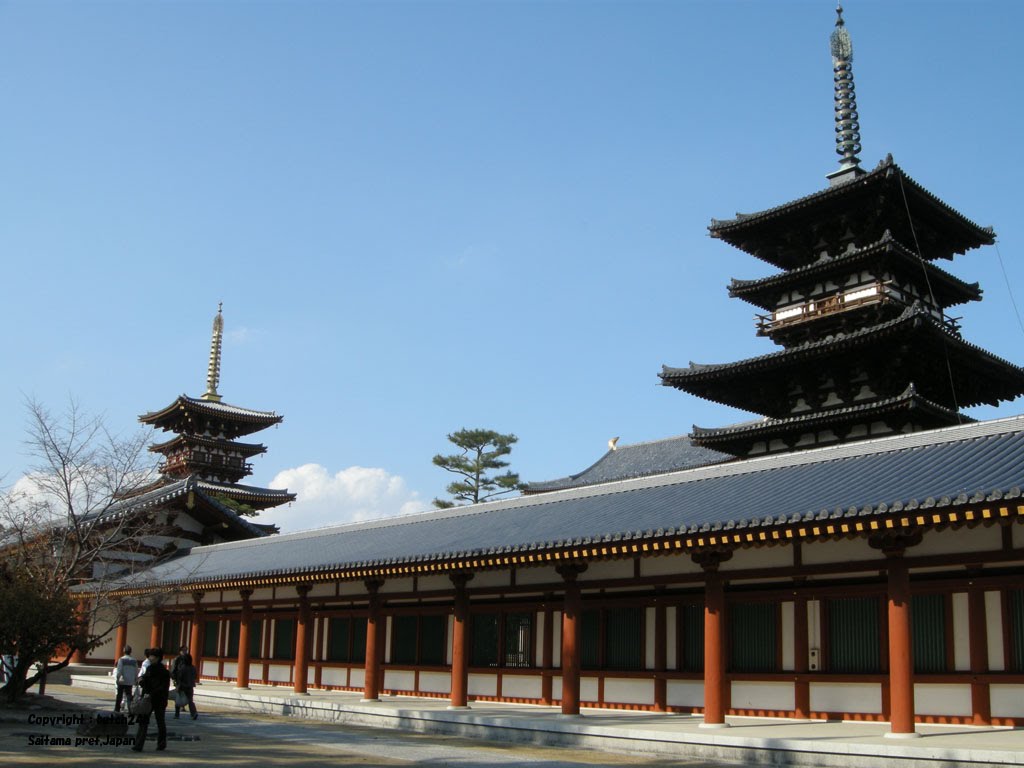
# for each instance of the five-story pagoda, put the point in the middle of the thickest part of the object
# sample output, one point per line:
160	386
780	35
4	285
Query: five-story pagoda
204	461
859	309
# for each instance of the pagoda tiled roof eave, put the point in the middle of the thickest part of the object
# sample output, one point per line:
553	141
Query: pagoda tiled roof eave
913	315
768	426
961	467
260	498
724	228
210	408
752	291
246	449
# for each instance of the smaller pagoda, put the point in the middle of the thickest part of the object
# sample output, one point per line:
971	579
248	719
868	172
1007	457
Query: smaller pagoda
205	461
858	306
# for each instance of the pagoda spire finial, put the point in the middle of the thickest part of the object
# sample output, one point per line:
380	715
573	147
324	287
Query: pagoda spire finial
213	370
847	127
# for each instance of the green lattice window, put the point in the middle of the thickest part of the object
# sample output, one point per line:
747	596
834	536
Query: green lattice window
234	629
1015	617
346	639
171	637
518	650
284	639
612	638
590	640
690	632
928	633
256	639
210	629
753	636
854	643
419	639
484	640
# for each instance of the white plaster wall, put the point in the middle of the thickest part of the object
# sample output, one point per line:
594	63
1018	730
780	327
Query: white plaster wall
255	671
352	588
609	569
387	640
684	693
961	540
208	668
492	579
483	685
334	676
357	677
649	620
769	696
556	627
435	682
279	673
541	574
814	624
396	585
230	669
994	620
538	639
322	590
668	565
263	593
521	686
436	583
961	633
622	691
400	679
451	639
1006	701
788	646
588	689
843	551
670	637
759	557
556	687
846	697
942	699
1017	534
310	675
138	635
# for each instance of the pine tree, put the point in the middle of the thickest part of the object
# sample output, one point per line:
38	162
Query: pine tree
482	452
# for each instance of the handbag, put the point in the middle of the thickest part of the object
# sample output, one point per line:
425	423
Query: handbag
180	698
141	704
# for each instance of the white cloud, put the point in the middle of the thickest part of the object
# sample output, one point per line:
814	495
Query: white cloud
355	493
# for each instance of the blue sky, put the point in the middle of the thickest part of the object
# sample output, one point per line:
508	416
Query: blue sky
423	216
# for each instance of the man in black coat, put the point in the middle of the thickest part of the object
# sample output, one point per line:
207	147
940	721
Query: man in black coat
155	683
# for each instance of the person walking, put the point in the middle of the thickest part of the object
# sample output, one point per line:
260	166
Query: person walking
186	684
126	673
155	684
178	661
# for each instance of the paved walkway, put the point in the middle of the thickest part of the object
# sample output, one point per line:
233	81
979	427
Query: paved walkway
677	737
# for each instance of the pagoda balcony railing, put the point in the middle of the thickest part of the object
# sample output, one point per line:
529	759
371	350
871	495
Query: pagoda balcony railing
863	295
184	461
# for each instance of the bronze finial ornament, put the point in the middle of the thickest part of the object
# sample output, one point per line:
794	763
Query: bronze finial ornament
213	370
847	127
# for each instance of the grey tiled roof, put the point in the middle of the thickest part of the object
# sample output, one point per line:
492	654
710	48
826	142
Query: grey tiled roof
636	460
951	466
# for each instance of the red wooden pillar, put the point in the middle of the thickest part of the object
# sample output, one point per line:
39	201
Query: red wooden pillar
374	626
196	636
460	642
571	618
81	614
801	652
660	655
981	702
244	624
901	665
121	640
547	651
156	629
714	657
302	638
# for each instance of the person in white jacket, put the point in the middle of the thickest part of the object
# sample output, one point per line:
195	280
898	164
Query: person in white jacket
126	673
